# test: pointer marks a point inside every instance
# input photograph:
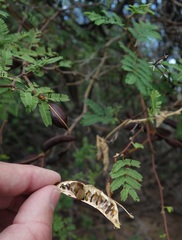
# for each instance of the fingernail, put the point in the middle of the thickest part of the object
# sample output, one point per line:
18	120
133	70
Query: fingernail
54	198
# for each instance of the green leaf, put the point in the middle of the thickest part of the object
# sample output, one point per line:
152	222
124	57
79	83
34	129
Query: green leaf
26	98
5	60
98	114
43	90
65	63
34	104
24	55
134	195
30	102
3	29
54	59
54	97
64	98
155	99
130	78
3	90
138	71
8	104
138	145
45	113
169	209
134	163
4	14
118	182
121	163
124	194
145	31
57	97
133	183
117	166
134	174
140	9
105	18
94	107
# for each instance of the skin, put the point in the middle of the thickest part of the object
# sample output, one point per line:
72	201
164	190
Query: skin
28	198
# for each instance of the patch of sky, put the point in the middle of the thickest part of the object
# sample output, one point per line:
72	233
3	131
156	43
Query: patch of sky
172	61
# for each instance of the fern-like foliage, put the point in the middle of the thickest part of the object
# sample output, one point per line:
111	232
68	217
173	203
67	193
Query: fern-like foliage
140	9
26	48
144	31
127	178
37	64
175	72
104	18
33	96
8	103
3	14
155	102
98	114
45	113
138	71
6	62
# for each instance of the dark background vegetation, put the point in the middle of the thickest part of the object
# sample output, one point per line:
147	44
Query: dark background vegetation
70	33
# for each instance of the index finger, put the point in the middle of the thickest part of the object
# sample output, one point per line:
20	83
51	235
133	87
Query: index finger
16	179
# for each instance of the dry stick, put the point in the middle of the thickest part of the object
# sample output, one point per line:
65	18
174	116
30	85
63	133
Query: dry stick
49	20
131	141
155	173
126	122
142	120
93	78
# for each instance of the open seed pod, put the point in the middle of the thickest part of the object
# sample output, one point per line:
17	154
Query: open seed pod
59	117
94	197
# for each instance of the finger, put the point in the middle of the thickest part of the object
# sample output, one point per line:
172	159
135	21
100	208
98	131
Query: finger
7	216
9	207
12	203
34	219
16	178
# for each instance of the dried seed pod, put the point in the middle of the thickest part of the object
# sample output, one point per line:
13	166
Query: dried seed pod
59	117
57	140
173	142
94	197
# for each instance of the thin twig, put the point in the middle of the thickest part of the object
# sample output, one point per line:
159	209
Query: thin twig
131	141
49	20
87	92
125	123
155	173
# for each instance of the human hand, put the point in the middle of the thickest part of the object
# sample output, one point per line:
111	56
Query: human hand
27	202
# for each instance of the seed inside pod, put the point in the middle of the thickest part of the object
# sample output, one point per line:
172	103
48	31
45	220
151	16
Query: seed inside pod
75	187
59	117
80	194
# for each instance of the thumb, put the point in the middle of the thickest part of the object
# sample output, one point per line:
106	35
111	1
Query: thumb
34	219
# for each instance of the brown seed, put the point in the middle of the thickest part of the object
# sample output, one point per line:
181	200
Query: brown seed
109	209
94	198
67	186
80	194
87	196
76	187
99	200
